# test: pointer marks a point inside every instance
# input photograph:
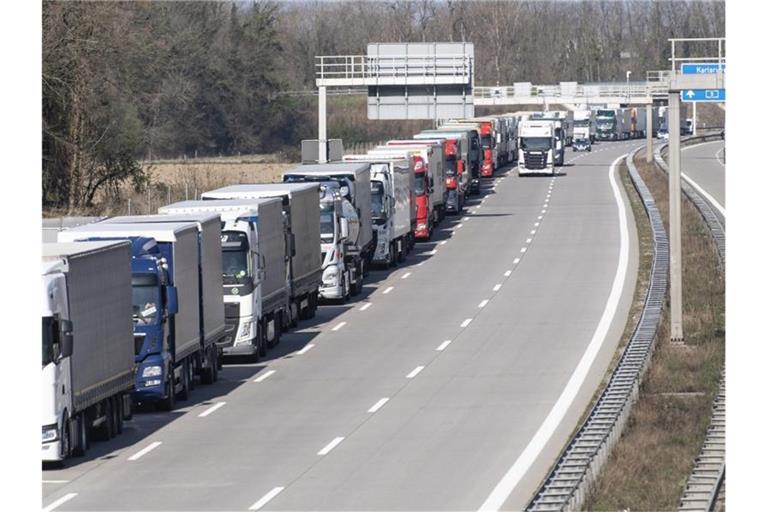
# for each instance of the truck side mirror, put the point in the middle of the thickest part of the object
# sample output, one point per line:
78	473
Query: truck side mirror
431	183
65	338
344	228
173	300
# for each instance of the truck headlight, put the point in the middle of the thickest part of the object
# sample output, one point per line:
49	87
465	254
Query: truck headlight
50	433
245	332
331	275
152	371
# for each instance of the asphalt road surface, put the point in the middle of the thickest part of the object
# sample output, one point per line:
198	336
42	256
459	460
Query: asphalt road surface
452	383
703	166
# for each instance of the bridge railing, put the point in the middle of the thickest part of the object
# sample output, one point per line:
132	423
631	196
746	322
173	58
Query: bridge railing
586	91
362	67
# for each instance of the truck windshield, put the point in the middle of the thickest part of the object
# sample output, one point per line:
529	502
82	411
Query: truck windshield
50	333
234	266
419	186
605	124
145	304
377	201
535	143
486	141
326	221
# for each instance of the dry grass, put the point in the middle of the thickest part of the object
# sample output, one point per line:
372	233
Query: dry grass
648	468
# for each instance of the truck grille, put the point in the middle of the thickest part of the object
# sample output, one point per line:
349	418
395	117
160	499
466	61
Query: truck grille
535	160
232	309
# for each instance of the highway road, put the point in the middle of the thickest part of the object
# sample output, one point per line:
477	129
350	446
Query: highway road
452	384
703	166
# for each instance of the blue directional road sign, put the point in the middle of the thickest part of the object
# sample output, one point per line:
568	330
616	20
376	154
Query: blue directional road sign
704	68
715	95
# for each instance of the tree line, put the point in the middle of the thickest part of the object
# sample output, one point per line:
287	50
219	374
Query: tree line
131	81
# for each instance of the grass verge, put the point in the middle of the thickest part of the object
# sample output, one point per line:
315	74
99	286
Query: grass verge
649	466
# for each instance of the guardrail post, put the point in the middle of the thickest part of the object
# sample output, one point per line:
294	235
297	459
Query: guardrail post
649	133
675	252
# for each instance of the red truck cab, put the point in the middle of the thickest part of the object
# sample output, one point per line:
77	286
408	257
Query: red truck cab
421	191
486	143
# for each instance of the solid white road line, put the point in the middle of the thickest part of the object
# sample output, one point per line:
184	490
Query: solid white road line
405	276
368	304
703	192
306	348
497	288
145	451
55	481
378	405
330	446
264	377
388	290
266	498
442	346
555	417
341	324
211	409
466	322
60	501
483	303
414	372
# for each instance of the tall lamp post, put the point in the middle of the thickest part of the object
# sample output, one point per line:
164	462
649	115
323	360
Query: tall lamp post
628	73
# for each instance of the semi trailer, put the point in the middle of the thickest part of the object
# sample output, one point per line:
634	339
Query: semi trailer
301	214
474	155
87	344
253	268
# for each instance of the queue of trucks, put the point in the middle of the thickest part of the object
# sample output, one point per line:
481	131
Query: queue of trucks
138	309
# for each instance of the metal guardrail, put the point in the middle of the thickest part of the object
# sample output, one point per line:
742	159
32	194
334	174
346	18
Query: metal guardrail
592	92
567	485
361	67
708	474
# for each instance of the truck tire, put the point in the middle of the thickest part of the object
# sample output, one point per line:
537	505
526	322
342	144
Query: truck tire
170	401
392	256
313	301
263	338
127	407
118	408
82	444
106	431
65	447
208	372
184	393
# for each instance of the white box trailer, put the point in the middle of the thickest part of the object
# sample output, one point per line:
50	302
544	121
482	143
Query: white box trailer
87	343
301	209
255	268
393	206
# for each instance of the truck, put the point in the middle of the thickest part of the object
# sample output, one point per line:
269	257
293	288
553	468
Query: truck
87	345
581	139
456	179
537	147
434	161
584	124
354	179
426	214
563	131
254	270
301	215
486	127
175	321
473	156
393	206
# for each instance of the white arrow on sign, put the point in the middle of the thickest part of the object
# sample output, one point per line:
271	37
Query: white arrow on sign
690	93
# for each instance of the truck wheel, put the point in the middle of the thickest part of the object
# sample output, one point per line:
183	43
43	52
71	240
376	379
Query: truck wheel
65	445
127	407
392	255
82	436
118	408
170	401
294	315
208	373
401	250
263	338
184	393
106	430
313	300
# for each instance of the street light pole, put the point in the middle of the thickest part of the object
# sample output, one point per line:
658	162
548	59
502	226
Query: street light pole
628	73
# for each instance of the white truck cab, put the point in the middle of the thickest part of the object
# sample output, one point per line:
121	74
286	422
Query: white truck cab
536	148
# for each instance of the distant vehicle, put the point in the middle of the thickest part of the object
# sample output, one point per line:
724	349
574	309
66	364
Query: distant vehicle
584	119
688	127
582	143
87	344
662	134
536	148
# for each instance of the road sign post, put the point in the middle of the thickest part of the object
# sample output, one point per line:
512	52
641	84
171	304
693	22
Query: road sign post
675	254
